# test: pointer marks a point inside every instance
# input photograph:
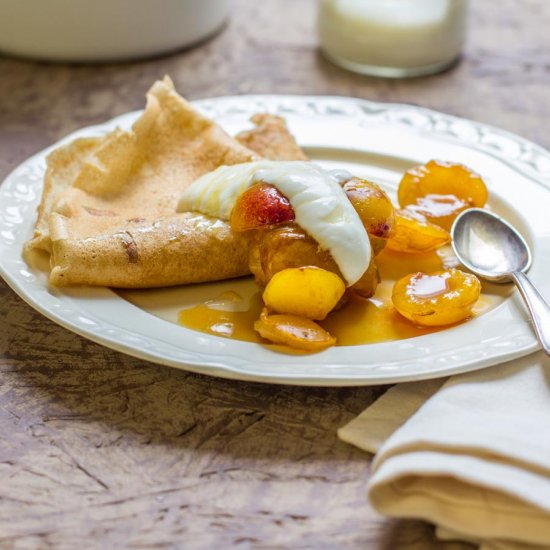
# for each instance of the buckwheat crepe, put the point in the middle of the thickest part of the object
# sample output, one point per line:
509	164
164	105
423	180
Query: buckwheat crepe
108	211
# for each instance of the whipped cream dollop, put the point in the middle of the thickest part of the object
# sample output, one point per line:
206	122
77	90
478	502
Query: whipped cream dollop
320	205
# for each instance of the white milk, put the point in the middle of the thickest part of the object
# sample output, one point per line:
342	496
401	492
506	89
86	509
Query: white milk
392	37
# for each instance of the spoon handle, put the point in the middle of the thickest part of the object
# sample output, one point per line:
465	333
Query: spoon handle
538	307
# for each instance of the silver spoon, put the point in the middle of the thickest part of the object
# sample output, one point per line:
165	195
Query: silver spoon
490	247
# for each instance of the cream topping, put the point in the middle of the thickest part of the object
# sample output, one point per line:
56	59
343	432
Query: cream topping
320	205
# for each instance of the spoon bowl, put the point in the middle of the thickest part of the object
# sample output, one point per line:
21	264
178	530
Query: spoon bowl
489	246
493	249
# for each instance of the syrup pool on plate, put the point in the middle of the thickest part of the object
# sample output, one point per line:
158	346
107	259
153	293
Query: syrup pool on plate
228	315
229	308
360	321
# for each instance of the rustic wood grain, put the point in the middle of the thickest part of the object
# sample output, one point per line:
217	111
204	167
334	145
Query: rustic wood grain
101	450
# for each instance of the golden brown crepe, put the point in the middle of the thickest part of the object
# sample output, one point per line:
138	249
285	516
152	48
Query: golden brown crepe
108	211
271	139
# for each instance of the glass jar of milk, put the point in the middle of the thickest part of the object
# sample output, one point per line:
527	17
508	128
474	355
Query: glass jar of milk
392	38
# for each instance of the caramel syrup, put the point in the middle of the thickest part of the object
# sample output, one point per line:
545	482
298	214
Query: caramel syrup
358	322
228	315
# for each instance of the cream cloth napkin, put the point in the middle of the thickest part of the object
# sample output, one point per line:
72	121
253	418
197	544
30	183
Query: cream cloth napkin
470	454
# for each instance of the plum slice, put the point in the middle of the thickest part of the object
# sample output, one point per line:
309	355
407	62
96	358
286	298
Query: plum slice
260	207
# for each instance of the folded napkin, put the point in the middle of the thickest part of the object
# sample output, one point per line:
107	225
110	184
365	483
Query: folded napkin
470	454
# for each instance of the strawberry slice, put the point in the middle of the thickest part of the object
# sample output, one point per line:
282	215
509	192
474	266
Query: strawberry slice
260	206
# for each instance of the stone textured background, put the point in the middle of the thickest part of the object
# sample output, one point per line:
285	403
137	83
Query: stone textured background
101	450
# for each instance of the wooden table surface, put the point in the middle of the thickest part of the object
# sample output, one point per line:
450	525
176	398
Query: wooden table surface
101	450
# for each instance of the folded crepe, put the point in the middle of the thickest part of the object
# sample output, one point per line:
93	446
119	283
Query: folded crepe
108	211
271	139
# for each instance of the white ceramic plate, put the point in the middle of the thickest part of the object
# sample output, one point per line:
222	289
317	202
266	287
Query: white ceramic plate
370	139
